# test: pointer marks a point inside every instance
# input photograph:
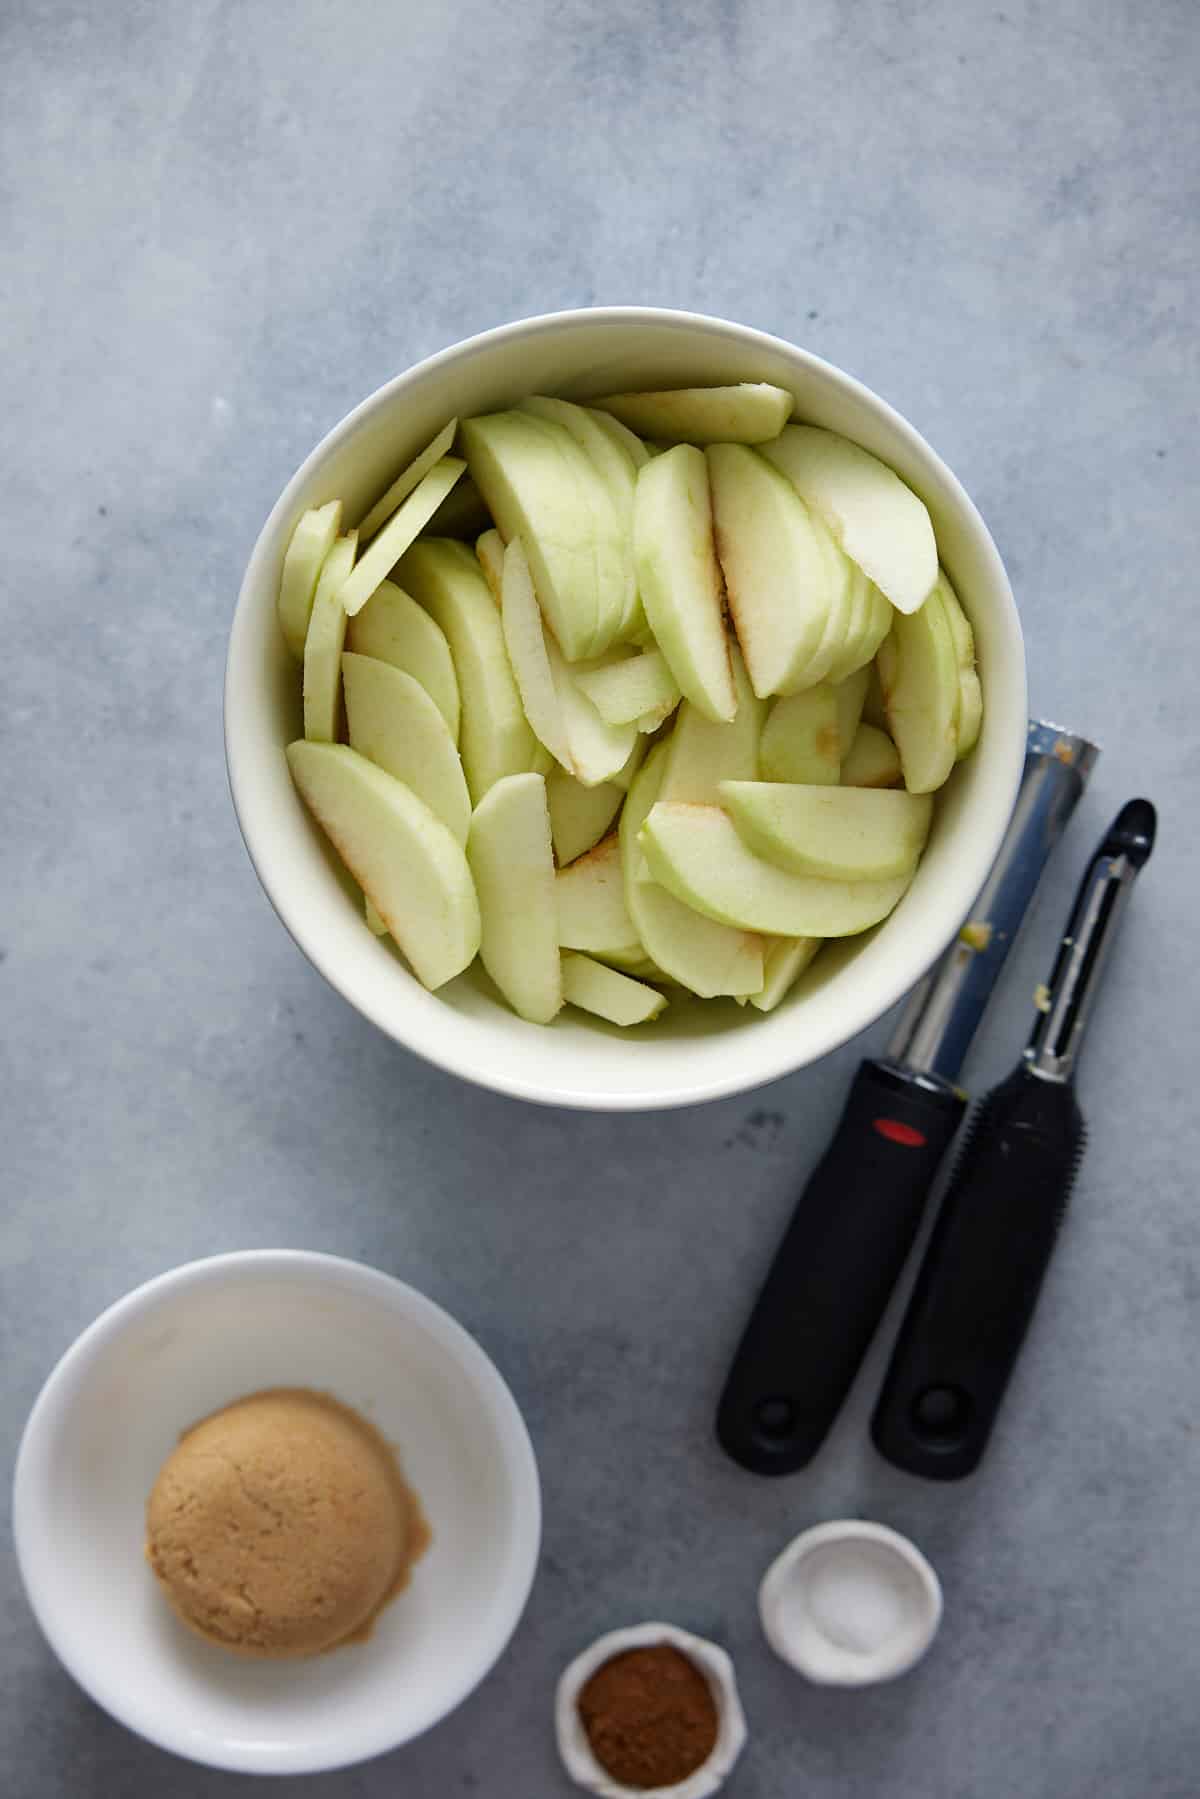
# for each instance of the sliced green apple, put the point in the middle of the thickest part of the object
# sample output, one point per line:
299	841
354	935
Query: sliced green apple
378	560
879	624
970	693
707	958
393	722
624	775
695	852
860	614
843	596
918	671
872	760
625	690
879	521
489	548
776	577
513	865
394	628
621	435
837	833
873	712
592	914
784	961
323	646
701	754
607	994
406	480
404	859
610	459
495	740
750	413
525	640
579	815
849	697
800	740
598	751
679	578
308	546
375	924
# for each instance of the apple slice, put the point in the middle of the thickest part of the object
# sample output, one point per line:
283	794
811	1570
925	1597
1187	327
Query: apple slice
849	697
750	413
308	546
776	577
403	485
843	602
838	833
701	754
624	691
579	815
873	710
402	857
970	693
879	522
525	640
621	435
401	529
611	461
323	646
513	865
679	578
489	548
800	740
707	958
879	624
394	628
918	671
375	924
861	612
594	988
872	760
592	914
495	738
619	609
394	723
624	775
784	961
695	852
598	751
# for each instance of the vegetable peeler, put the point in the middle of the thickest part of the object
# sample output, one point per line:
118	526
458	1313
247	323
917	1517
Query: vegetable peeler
850	1235
991	1245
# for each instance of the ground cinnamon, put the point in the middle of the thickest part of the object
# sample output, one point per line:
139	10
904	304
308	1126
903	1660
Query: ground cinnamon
649	1716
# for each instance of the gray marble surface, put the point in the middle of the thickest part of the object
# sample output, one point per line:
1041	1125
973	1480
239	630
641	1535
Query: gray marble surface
225	224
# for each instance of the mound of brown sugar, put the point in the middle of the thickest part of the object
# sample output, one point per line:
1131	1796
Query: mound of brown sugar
280	1525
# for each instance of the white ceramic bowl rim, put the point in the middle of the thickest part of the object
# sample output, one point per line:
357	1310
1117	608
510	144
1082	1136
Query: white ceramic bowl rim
352	1278
748	1064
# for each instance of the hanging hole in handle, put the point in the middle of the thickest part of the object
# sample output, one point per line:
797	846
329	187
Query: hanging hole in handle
941	1417
774	1421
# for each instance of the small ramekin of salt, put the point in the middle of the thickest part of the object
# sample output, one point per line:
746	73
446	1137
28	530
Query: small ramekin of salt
850	1603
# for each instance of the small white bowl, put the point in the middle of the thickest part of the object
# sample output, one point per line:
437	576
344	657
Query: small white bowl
696	1051
713	1663
850	1603
180	1347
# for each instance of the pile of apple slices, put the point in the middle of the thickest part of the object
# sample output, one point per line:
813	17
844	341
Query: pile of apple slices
671	716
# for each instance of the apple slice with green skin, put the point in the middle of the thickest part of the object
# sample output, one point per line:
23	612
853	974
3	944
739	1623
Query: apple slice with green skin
607	994
622	436
679	578
489	548
624	775
579	815
872	760
323	646
970	693
918	671
707	958
513	865
402	528
495	740
776	576
784	961
375	924
525	641
404	858
701	754
611	461
861	612
406	480
879	624
849	696
801	741
619	609
695	852
625	691
843	594
303	560
392	721
837	833
750	413
598	751
392	627
879	521
592	914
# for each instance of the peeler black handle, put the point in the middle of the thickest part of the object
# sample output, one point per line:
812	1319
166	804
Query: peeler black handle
836	1267
979	1282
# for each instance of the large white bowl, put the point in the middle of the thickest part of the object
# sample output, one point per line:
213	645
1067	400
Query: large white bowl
695	1051
191	1341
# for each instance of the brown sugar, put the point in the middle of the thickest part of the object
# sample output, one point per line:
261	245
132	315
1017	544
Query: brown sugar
281	1525
650	1716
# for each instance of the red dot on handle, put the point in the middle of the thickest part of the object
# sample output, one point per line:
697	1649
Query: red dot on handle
895	1132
